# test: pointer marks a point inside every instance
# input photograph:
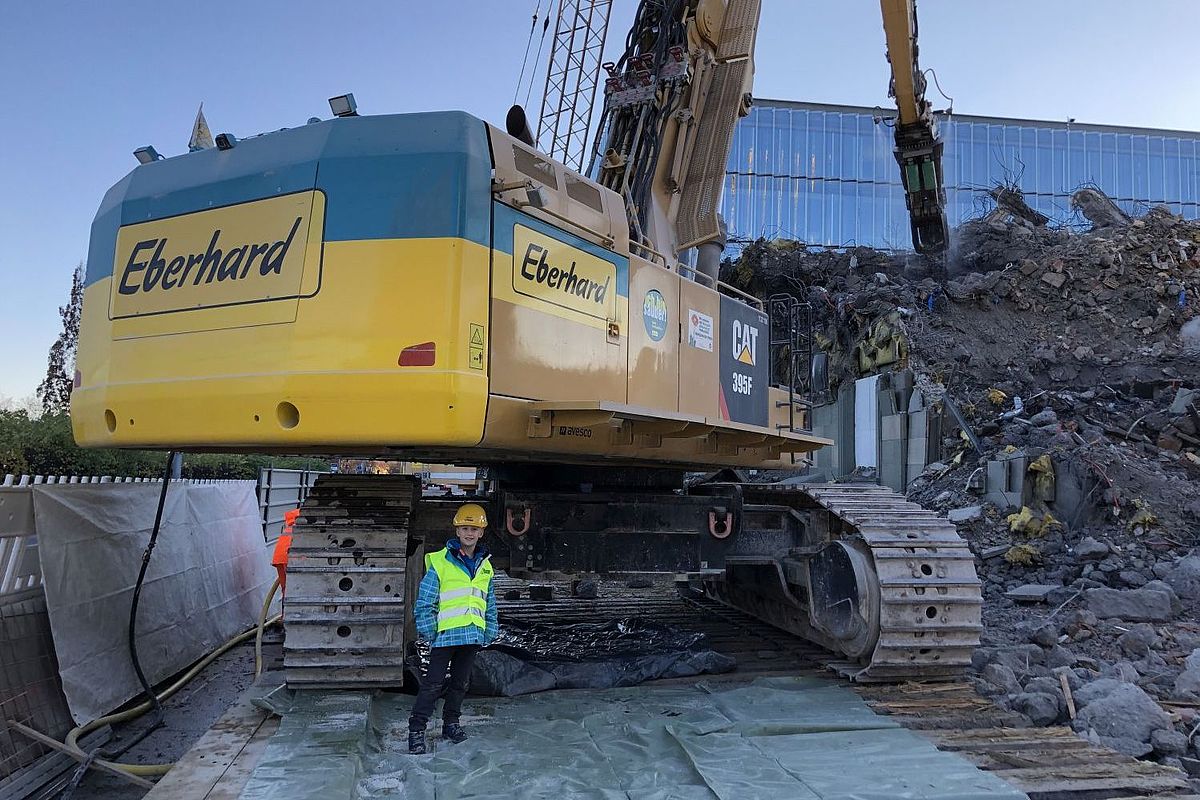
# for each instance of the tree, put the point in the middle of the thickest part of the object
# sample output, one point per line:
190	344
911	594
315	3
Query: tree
55	390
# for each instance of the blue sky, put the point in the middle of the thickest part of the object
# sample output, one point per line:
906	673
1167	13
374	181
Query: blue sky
86	82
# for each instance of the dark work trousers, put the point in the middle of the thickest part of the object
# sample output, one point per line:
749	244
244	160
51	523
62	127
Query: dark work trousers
458	661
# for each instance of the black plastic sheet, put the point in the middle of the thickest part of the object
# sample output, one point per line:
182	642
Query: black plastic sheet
535	657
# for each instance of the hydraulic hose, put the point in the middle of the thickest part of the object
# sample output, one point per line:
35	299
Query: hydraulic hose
72	740
137	591
262	623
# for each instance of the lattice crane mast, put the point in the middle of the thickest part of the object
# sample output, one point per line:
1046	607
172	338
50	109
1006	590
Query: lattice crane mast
572	75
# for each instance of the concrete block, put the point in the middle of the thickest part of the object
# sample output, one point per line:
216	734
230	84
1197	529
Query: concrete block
917	455
895	427
1183	399
997	476
935	437
1006	481
892	465
965	514
1032	592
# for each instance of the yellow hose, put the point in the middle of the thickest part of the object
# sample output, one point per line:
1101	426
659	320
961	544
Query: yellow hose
161	769
262	623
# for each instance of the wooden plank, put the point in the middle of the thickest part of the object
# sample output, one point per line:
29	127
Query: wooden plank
1006	739
996	716
47	774
230	786
1047	745
929	704
62	748
956	687
1096	781
1000	734
202	767
1030	758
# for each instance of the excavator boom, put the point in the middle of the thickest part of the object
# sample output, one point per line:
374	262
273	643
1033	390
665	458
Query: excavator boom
673	99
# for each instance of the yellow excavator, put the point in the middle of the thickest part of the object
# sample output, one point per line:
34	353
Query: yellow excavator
430	287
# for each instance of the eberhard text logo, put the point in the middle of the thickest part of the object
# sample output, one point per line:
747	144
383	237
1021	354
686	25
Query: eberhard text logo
153	266
245	253
552	271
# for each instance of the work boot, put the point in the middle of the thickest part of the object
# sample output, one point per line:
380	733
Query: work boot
416	742
453	732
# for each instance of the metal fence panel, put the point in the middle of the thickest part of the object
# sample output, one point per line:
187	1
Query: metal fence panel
279	491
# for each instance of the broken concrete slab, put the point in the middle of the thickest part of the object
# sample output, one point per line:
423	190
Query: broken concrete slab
1126	711
1184	578
1032	592
1183	399
965	514
1089	549
993	552
1134	605
1099	208
1055	279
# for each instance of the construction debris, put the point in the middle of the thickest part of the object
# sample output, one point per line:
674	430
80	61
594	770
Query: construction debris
1073	361
1098	208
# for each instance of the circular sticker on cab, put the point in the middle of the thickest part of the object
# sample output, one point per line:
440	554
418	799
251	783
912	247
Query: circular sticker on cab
654	314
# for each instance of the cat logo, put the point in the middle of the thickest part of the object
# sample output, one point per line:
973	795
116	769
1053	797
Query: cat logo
745	342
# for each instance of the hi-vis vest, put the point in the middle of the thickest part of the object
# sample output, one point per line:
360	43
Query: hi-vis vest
462	601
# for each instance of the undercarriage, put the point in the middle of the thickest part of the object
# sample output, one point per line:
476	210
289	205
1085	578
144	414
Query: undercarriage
855	568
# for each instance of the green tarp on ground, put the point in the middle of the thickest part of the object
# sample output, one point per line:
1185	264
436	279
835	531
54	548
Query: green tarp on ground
778	738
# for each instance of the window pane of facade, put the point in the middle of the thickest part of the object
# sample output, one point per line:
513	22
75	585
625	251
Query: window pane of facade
1083	159
1124	157
1187	171
1154	165
1141	175
981	160
1171	170
1058	153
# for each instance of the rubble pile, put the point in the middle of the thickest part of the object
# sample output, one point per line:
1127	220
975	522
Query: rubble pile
1080	353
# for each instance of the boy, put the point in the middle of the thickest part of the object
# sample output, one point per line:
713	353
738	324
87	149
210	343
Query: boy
456	614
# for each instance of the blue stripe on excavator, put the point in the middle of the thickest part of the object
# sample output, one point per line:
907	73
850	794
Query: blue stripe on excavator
384	177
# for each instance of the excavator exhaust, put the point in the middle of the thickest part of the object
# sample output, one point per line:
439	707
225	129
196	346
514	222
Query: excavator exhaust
517	125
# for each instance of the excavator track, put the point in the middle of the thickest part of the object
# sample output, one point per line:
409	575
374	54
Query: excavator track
347	594
930	599
923	611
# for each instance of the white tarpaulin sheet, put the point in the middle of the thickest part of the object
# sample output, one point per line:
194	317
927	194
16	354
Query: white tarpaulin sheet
207	578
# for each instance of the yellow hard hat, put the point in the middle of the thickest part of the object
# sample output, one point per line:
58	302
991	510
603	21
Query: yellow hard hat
471	515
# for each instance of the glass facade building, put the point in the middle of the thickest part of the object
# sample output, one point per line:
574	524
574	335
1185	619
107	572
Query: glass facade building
825	174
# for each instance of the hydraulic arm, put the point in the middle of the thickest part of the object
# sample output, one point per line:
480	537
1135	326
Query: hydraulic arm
918	143
673	99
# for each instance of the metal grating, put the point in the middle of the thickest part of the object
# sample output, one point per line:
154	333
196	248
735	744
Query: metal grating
698	205
30	690
738	30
